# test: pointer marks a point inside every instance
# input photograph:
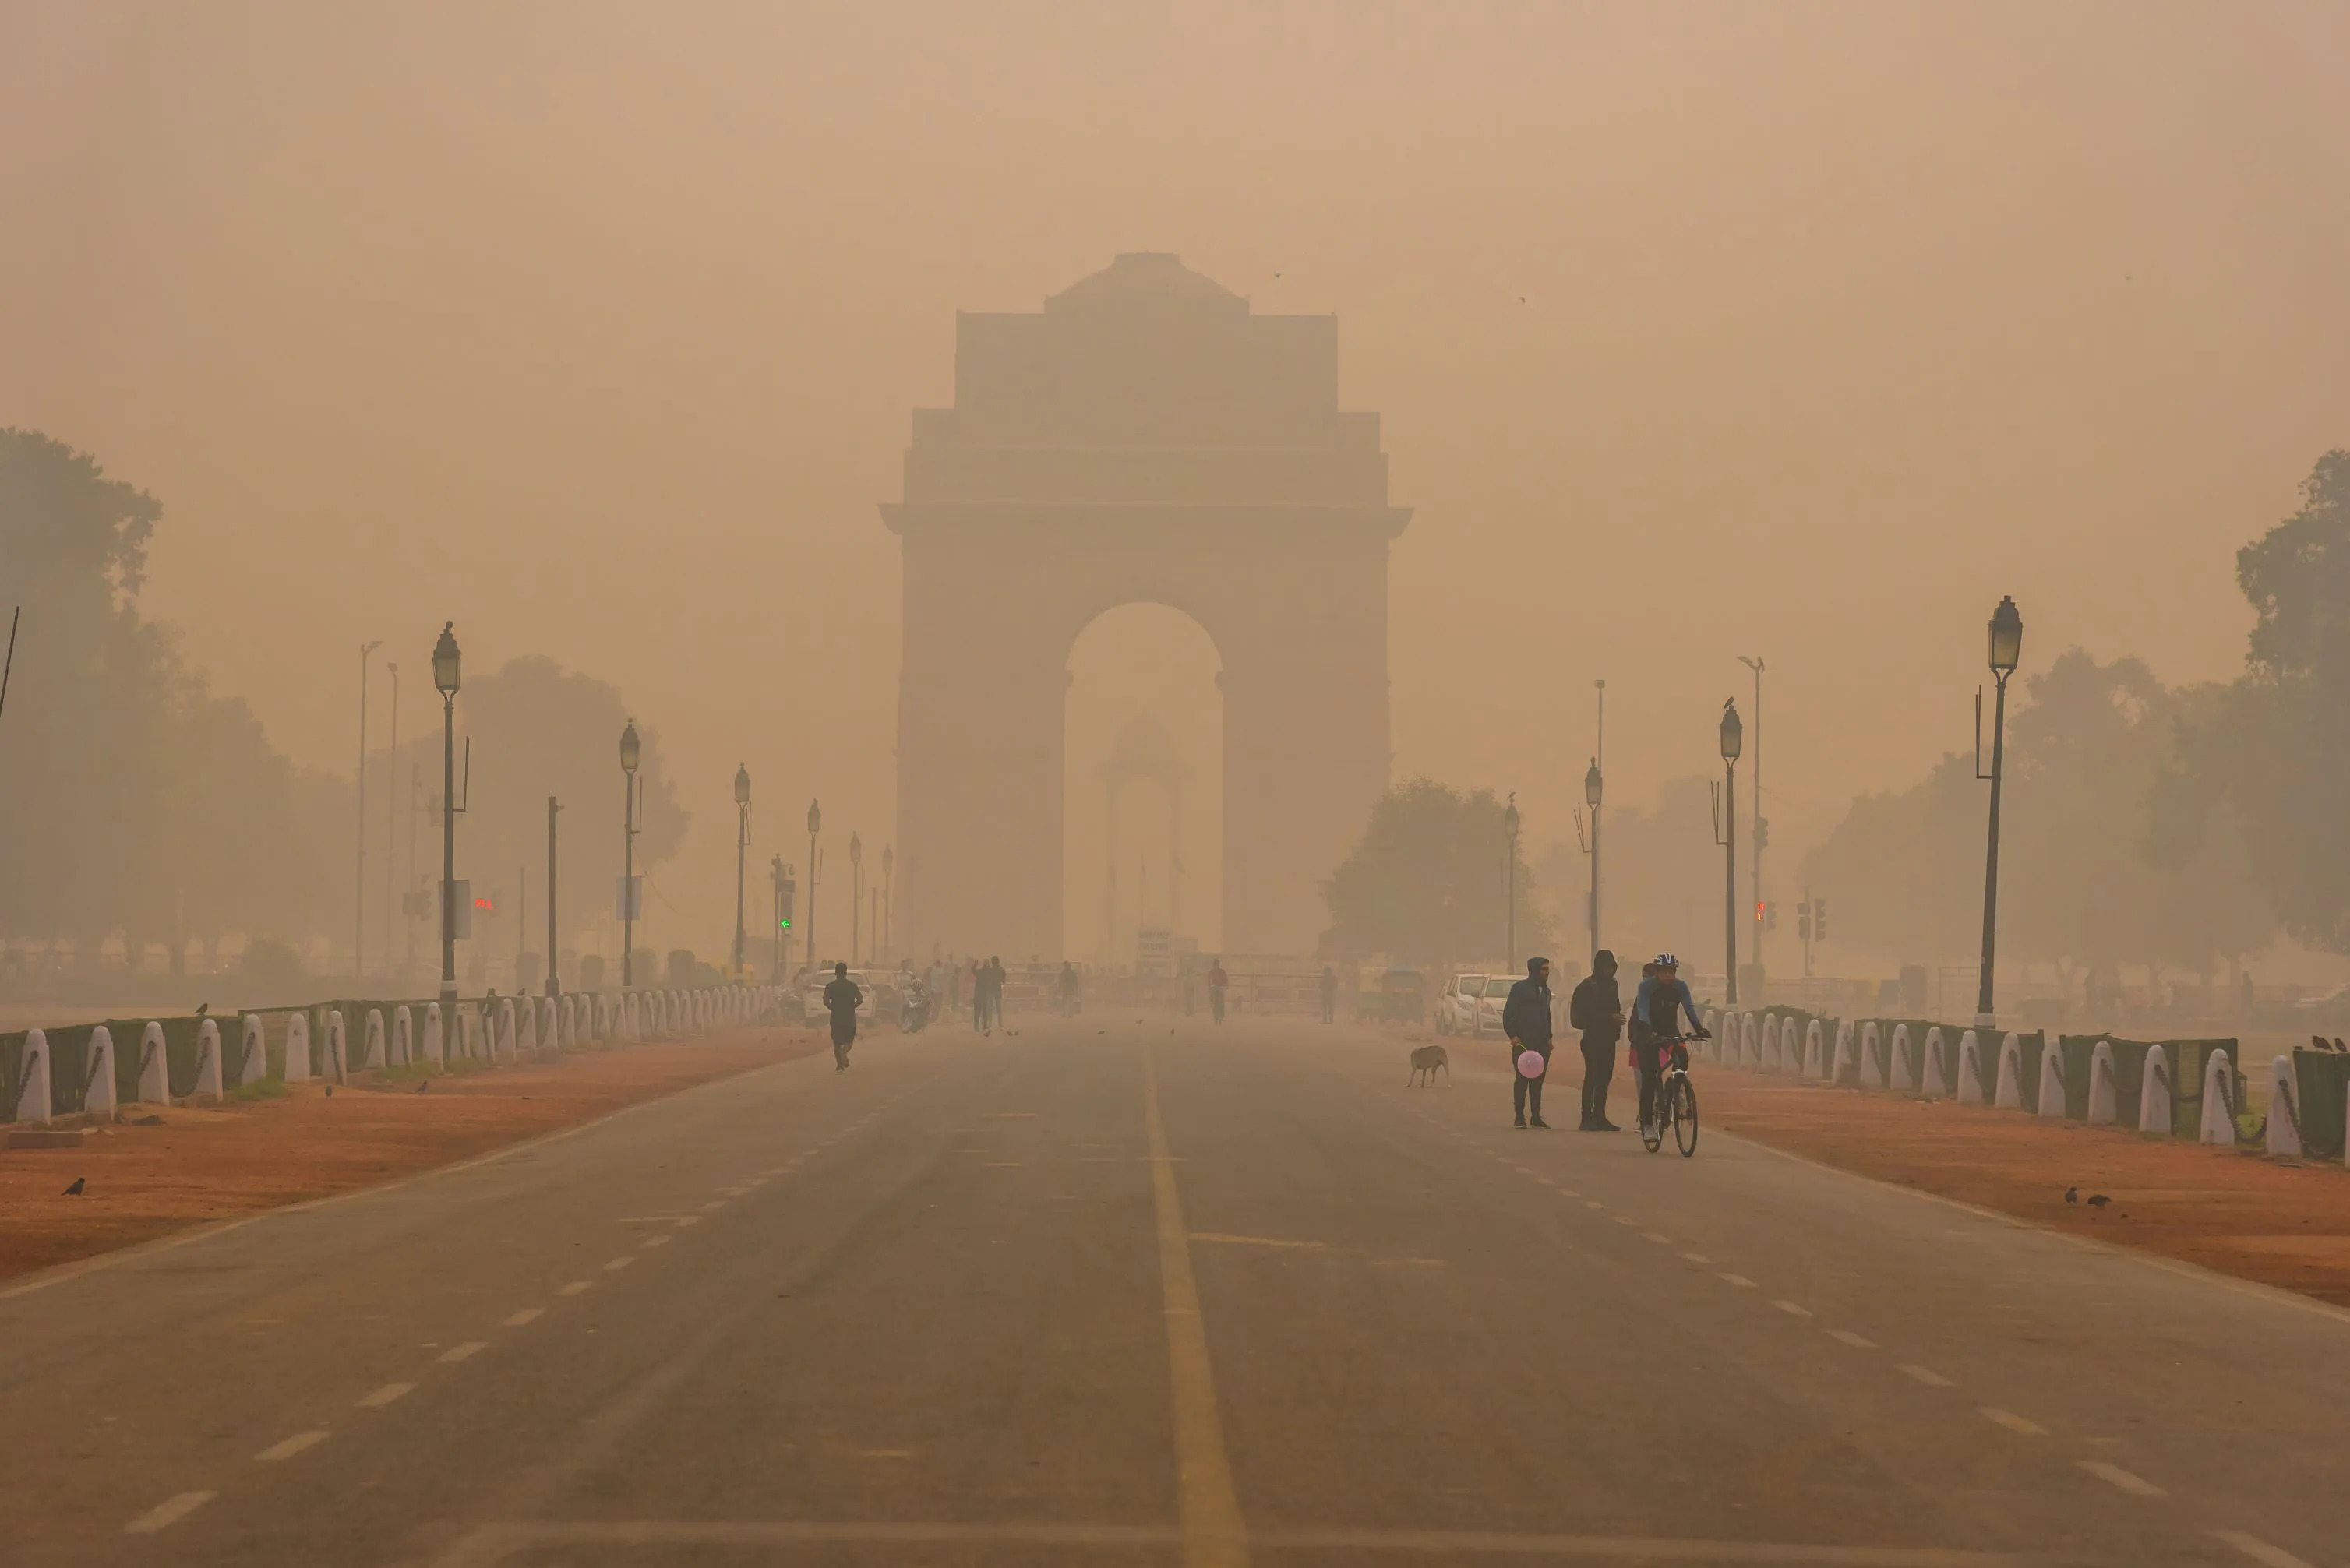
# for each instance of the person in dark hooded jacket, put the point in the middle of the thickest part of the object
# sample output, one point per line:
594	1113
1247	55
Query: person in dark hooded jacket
1526	1019
1596	1012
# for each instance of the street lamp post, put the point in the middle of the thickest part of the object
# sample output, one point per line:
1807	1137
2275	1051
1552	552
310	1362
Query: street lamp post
815	822
554	984
776	917
358	915
1591	793
1762	828
447	666
742	855
889	902
2006	652
630	754
1733	741
390	819
1510	881
855	891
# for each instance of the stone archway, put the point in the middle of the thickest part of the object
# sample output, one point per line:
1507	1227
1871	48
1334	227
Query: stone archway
1144	438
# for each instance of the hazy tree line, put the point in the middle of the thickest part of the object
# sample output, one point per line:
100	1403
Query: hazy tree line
136	804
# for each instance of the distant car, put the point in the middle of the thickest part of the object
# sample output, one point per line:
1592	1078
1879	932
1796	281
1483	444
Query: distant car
811	999
1489	1005
2333	1007
1456	1003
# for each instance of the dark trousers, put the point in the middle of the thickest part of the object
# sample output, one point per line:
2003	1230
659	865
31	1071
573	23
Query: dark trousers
1526	1092
1598	1072
1649	1064
1329	1009
843	1036
1216	1001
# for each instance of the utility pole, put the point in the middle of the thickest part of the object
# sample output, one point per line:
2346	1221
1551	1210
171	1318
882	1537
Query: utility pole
358	882
1761	830
554	984
390	814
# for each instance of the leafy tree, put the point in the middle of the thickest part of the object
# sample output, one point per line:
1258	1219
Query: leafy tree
1428	880
2264	758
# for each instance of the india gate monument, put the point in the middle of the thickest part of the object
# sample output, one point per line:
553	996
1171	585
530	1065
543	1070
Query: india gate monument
1144	438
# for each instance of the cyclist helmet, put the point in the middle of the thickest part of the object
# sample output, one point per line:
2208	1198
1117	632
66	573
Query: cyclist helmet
1667	961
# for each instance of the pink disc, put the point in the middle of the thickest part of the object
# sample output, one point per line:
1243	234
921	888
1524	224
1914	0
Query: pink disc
1530	1065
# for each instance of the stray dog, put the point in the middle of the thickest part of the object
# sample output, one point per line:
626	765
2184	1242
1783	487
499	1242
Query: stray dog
1425	1060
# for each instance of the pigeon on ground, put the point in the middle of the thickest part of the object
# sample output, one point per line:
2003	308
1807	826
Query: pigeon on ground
2098	1200
330	1091
423	1085
75	1191
2072	1195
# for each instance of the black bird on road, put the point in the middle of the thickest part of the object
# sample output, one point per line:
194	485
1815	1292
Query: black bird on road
2098	1200
75	1191
2072	1195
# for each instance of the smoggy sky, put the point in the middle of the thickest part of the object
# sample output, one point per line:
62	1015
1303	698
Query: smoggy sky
1697	330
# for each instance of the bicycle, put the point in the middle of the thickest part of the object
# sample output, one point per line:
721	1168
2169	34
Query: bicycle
1676	1100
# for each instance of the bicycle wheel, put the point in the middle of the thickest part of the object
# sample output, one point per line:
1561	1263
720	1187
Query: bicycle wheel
1684	1099
1653	1131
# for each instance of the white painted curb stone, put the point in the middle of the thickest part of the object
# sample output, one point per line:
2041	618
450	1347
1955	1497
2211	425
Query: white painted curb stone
1970	1080
154	1067
33	1100
2008	1092
2104	1094
1935	1079
2052	1083
253	1051
2155	1111
1872	1056
2284	1109
98	1096
207	1062
1903	1076
2218	1102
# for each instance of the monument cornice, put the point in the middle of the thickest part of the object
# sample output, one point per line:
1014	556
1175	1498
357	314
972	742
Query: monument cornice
915	519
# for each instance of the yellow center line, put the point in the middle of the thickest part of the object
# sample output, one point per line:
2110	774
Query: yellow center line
1213	1533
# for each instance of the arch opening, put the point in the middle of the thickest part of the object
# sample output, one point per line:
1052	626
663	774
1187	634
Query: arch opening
1142	787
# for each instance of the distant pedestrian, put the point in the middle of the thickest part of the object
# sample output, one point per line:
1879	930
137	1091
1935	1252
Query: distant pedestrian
1071	1001
1218	984
1596	1012
842	998
1525	1020
1329	994
2250	997
990	987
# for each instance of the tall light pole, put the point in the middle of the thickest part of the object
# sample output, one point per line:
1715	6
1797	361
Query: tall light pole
358	883
855	891
1734	740
447	665
889	902
814	825
1509	880
2006	652
775	916
1762	828
631	752
554	984
1591	793
390	817
742	855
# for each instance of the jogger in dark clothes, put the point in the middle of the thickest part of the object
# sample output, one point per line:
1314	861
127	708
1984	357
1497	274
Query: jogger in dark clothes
1596	1012
842	998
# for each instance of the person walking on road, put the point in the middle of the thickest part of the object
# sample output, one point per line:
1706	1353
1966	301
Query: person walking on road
1329	994
842	998
978	996
1218	984
1596	1012
1526	1019
991	986
1071	1004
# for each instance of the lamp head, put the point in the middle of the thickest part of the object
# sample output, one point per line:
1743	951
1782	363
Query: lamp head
1591	783
1510	817
816	819
889	859
629	749
1733	733
2006	637
742	784
447	662
855	849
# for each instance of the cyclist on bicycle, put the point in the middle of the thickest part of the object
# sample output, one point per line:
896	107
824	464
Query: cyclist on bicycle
1656	1016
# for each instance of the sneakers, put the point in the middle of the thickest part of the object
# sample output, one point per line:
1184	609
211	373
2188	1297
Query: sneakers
1521	1121
1604	1125
1539	1125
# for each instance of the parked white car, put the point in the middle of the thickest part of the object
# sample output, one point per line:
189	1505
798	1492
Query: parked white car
1457	1005
1489	1005
811	999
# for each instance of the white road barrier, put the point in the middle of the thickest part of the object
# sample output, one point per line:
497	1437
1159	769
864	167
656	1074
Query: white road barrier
1872	1056
1971	1076
154	1067
374	1058
1812	1050
436	1047
298	1048
2154	1110
2105	1091
209	1070
334	1060
1934	1082
1842	1057
2218	1124
33	1098
253	1051
2052	1083
2285	1110
1903	1076
98	1096
2008	1094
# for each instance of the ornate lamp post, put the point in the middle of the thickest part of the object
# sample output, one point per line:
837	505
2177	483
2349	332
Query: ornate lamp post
815	822
448	667
630	756
742	855
1591	792
855	891
1733	741
2006	652
889	902
1509	880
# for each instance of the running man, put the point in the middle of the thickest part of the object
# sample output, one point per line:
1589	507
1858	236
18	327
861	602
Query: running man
842	998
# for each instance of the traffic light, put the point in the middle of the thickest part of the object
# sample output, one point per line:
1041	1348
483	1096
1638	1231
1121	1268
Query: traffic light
784	901
1771	917
1804	919
1820	919
1762	833
1761	911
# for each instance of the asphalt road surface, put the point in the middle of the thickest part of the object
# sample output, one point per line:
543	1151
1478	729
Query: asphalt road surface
1131	1293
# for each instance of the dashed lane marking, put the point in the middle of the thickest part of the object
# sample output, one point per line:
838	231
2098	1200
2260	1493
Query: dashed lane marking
1928	1375
1845	1336
617	1264
714	1203
528	1315
1623	1219
291	1446
465	1352
2251	1546
1695	1258
654	1242
2120	1478
689	1220
169	1512
1593	1203
576	1287
385	1396
1792	1308
1660	1241
1741	1280
2013	1422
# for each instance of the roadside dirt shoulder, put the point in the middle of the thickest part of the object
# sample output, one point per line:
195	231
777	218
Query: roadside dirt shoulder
201	1164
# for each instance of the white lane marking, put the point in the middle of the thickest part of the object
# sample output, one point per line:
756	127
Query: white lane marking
1741	1280
1695	1258
1593	1203
689	1220
617	1264
1569	1192
170	1512
2136	1486
733	1191
654	1242
1792	1308
714	1203
467	1351
291	1446
2013	1422
1623	1219
2251	1546
1660	1241
524	1317
1928	1375
384	1396
1845	1336
576	1287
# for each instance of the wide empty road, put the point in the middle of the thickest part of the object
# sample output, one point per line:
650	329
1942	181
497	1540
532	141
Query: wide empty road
1121	1292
